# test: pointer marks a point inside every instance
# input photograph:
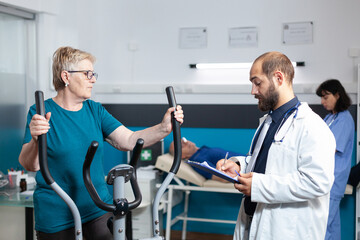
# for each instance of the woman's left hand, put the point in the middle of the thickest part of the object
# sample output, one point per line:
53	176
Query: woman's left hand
179	116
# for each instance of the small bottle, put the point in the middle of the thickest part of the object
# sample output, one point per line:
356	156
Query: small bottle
23	184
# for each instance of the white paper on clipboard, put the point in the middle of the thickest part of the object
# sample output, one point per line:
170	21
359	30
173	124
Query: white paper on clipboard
206	167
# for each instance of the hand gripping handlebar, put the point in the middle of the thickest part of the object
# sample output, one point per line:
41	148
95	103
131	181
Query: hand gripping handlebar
176	131
44	169
174	168
40	109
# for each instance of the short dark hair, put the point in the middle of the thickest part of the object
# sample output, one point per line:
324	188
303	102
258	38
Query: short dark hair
276	61
334	87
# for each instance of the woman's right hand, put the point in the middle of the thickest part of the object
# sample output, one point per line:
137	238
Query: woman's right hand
39	125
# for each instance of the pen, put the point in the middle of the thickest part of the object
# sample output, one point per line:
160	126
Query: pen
237	173
227	153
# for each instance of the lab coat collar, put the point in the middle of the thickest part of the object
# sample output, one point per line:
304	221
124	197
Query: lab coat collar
279	113
304	109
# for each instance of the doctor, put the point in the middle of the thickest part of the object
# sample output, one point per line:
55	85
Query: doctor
287	177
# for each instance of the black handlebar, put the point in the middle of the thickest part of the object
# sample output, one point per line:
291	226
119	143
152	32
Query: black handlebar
176	131
91	189
87	179
44	169
136	152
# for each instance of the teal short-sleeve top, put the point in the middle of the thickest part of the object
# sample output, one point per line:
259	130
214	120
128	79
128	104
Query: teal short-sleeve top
68	139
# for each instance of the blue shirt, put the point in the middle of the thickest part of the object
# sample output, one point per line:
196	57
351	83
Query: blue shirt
211	156
68	139
342	126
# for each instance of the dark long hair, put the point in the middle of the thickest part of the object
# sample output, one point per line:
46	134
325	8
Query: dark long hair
334	86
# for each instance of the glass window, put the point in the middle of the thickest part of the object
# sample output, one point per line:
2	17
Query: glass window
14	68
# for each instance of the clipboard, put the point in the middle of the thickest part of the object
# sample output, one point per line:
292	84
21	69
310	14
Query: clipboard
206	167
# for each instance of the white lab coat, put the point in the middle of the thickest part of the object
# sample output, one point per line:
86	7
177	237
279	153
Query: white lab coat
293	194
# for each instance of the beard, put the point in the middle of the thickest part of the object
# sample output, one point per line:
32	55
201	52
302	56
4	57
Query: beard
268	101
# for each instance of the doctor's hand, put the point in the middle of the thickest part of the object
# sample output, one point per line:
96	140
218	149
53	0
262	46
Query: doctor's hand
244	186
229	167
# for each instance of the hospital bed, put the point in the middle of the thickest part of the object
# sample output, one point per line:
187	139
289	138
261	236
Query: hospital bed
194	182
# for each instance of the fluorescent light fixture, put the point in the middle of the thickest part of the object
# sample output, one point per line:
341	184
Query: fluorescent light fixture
298	64
232	65
220	65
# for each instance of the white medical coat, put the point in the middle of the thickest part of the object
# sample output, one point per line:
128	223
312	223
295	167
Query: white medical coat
293	195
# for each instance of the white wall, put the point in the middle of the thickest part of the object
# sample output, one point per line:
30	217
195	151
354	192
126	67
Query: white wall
106	28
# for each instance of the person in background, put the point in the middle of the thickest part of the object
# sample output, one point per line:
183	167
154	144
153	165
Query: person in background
354	177
287	177
203	154
336	101
71	123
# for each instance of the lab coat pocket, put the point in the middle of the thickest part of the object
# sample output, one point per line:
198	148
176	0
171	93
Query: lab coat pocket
281	159
285	215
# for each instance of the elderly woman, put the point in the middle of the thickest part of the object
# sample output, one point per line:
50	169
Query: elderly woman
336	101
72	122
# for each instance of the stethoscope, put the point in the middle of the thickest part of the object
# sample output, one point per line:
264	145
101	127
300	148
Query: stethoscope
292	111
332	120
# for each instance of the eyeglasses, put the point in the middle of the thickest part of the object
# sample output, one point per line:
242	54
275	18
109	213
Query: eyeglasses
89	74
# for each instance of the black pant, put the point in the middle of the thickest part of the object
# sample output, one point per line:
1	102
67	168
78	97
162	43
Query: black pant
354	177
93	230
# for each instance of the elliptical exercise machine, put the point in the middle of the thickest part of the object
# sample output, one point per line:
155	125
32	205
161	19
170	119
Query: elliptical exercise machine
117	176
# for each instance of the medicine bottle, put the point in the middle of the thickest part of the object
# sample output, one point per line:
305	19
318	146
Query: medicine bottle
23	185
